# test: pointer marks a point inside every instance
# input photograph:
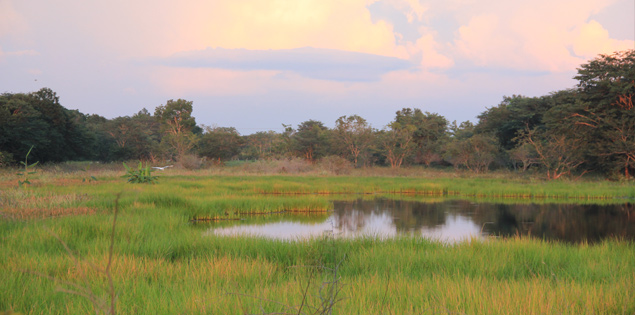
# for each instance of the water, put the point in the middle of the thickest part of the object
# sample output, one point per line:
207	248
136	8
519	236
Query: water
449	221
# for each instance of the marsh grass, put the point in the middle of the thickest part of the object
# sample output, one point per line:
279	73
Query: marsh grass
23	204
161	263
240	275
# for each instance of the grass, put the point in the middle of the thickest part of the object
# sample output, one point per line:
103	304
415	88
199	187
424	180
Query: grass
162	264
193	275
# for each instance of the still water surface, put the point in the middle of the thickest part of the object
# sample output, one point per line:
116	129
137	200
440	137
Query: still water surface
450	221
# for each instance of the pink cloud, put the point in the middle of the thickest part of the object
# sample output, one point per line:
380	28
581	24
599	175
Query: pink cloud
534	35
592	39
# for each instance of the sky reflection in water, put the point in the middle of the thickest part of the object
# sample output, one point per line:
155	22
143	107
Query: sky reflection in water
451	221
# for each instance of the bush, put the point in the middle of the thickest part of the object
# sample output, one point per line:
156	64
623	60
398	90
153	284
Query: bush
335	165
282	166
141	175
6	159
190	162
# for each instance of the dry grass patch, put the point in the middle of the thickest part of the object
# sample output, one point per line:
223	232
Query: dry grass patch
42	213
22	204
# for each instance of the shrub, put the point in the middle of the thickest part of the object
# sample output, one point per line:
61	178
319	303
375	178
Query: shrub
141	175
6	159
335	165
278	166
190	162
26	170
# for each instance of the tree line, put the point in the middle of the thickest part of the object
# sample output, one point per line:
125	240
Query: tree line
587	128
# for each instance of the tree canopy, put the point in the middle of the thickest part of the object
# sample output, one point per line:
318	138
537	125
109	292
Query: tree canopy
587	128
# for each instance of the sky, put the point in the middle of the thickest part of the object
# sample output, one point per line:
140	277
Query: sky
257	64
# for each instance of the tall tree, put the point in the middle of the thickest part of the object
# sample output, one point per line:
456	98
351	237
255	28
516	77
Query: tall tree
430	133
260	145
397	142
559	152
22	126
220	143
178	126
353	136
607	88
102	143
135	137
473	151
512	116
398	139
38	119
311	140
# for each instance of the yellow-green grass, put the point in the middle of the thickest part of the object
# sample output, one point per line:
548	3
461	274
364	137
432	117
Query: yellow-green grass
167	269
162	264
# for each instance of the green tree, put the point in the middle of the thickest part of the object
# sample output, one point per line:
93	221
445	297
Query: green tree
311	140
429	136
178	126
21	126
397	142
475	152
260	145
102	143
38	119
352	136
400	139
220	143
559	152
607	86
512	116
135	137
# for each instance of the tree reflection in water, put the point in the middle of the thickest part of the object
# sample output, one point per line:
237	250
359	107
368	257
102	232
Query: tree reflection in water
453	220
565	222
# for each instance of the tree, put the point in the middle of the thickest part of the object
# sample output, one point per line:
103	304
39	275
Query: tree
38	119
558	152
397	142
510	118
411	130
456	149
135	137
523	153
220	143
22	126
178	126
476	152
311	140
102	143
353	135
607	86
430	133
260	145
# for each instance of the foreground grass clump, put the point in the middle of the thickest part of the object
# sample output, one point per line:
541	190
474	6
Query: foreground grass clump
164	265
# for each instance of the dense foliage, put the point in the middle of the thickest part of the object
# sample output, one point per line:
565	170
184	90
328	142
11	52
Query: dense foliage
588	128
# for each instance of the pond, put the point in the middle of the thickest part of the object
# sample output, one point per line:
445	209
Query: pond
448	221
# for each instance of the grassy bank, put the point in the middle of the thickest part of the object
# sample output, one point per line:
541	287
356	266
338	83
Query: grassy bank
162	264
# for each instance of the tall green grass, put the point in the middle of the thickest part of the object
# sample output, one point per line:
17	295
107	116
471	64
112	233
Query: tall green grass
165	268
163	264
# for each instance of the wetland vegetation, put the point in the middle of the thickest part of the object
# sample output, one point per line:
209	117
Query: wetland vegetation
163	263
